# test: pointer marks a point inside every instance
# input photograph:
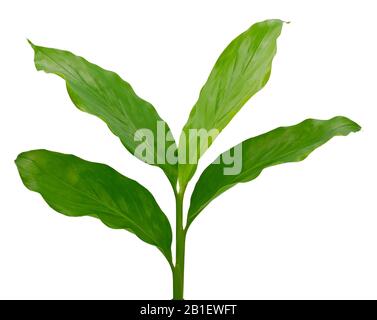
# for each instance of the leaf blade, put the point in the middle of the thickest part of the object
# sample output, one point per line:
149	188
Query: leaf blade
281	145
76	187
241	71
106	95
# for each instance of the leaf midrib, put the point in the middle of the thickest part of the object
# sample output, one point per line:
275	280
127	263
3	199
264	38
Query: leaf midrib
80	79
113	211
263	166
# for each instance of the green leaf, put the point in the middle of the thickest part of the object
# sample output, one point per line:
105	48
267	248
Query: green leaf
75	187
284	144
104	94
241	71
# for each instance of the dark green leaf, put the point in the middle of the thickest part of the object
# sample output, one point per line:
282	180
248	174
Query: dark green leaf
285	144
241	71
104	94
75	187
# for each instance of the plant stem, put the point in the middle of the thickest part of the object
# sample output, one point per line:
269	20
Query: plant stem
179	269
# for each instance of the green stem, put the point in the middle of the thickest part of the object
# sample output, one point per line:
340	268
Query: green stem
179	268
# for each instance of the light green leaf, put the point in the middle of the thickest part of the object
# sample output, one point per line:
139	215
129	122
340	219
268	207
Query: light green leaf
104	94
75	187
241	71
284	144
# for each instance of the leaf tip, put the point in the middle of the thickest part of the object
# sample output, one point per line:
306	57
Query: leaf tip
357	127
280	21
20	159
354	127
31	43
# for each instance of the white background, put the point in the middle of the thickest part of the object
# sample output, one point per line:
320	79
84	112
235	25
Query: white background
305	230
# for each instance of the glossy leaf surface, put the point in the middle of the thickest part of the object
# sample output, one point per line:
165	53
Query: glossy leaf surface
241	71
284	144
75	187
104	94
